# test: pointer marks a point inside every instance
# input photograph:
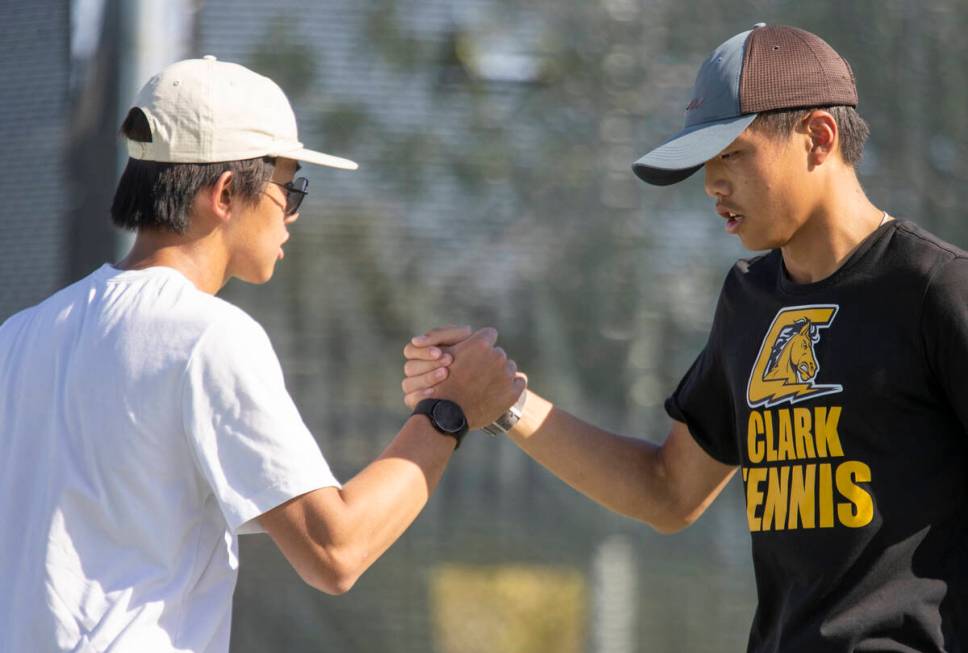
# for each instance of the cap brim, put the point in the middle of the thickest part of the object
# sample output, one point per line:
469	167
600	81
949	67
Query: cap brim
319	158
686	152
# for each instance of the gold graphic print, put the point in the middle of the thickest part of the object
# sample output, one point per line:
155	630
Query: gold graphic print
786	367
797	473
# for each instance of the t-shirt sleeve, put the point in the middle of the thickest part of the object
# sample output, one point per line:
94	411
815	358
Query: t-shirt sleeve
704	402
944	328
248	438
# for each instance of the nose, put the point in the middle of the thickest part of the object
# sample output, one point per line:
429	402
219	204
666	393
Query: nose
289	219
715	183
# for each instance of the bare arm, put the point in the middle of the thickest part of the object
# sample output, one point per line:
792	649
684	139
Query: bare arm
667	486
331	536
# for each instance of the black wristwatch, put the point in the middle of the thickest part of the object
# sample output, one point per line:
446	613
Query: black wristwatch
445	416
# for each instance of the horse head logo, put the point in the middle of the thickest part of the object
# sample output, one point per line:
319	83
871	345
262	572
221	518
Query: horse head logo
786	367
792	358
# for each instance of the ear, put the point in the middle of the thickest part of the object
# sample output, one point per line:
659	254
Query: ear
218	198
824	135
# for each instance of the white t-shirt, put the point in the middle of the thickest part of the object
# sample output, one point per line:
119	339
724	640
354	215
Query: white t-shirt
143	425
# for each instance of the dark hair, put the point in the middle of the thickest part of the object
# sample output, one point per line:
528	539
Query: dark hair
154	195
853	129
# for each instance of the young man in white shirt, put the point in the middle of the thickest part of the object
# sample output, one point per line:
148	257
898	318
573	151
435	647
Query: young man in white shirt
144	423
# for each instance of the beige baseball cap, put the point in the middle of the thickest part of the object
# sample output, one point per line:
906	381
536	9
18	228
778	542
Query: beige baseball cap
207	111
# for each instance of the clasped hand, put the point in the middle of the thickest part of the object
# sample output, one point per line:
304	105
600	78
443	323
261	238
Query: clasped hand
465	367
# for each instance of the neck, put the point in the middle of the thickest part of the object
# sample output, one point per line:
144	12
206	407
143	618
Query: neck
831	232
195	257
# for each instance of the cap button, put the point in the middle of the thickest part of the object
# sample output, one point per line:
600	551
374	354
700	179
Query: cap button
209	57
759	25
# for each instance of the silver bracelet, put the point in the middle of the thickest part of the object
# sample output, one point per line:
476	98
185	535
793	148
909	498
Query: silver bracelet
506	422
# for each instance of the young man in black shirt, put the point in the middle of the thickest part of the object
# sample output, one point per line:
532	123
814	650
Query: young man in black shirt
833	378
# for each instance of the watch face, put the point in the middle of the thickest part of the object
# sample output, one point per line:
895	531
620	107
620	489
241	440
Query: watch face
449	417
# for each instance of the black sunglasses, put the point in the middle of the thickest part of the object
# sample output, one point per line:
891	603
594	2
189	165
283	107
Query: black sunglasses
296	191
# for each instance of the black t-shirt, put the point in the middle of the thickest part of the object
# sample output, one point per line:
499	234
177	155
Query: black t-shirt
845	402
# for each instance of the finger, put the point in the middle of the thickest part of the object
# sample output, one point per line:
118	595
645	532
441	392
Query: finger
487	334
449	335
424	381
518	386
417	367
522	375
413	352
414	398
512	368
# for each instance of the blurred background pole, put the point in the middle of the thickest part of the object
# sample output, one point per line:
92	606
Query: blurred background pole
615	597
153	34
116	46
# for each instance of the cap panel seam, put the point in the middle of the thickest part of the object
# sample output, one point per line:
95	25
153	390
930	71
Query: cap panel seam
817	59
744	72
207	137
853	82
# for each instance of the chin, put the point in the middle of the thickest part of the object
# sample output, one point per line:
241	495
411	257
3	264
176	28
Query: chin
265	276
257	277
759	242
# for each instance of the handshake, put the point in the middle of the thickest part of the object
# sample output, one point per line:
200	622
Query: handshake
465	367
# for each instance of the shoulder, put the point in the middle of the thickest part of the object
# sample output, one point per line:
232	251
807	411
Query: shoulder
755	271
225	316
937	270
747	281
915	249
165	302
163	306
229	330
54	308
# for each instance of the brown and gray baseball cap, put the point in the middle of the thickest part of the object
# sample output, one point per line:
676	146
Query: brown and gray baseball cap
768	67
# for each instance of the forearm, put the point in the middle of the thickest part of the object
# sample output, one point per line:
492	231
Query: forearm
624	474
332	536
383	499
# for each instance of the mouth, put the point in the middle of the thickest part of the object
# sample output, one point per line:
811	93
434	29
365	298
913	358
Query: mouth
733	219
